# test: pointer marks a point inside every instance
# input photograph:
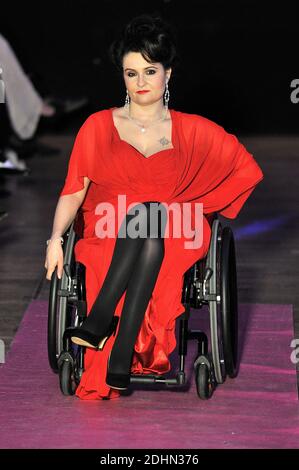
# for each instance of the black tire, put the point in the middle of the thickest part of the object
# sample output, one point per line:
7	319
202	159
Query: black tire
67	378
203	385
229	296
52	322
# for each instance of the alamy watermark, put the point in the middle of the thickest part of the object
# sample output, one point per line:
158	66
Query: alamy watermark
295	93
295	353
182	219
2	351
2	88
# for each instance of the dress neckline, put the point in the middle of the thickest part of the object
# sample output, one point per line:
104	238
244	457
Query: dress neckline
138	151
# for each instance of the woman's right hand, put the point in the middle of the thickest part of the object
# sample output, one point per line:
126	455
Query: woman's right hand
54	257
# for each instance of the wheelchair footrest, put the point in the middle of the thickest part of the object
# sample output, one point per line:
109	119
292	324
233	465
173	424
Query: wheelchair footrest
180	379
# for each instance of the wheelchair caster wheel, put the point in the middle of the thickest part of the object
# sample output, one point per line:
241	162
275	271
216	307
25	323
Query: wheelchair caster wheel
203	382
204	377
67	380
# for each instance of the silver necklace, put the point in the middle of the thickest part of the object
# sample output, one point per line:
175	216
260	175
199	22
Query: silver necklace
141	126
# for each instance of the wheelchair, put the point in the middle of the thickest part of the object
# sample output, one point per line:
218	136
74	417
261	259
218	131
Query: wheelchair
211	281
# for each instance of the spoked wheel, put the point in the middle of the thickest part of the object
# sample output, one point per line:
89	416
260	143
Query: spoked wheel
229	302
58	308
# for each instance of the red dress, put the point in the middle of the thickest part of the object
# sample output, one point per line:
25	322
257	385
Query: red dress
206	165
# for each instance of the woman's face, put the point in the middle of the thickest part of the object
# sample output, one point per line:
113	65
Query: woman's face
142	75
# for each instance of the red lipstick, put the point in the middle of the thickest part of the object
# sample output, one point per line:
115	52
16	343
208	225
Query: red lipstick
142	91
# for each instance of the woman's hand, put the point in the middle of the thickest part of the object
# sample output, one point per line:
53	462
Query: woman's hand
54	257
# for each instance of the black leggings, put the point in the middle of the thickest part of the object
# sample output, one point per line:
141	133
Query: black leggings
134	266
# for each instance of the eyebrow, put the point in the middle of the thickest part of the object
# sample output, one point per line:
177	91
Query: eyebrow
152	66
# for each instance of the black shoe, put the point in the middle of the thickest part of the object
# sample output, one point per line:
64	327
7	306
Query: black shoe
84	338
118	381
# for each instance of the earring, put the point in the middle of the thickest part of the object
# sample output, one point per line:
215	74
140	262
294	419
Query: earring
127	101
166	96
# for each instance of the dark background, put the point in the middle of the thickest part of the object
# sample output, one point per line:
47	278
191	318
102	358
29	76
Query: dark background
237	58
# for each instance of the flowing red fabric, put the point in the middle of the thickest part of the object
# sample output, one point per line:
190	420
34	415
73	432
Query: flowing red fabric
206	165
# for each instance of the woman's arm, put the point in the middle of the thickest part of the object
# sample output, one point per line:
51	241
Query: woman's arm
66	210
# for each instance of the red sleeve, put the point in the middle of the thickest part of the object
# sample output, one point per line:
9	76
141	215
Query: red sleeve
81	161
232	172
242	182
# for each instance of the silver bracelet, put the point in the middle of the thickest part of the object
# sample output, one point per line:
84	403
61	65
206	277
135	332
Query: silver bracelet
57	238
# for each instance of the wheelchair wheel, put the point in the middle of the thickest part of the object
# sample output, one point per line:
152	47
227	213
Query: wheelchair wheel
58	308
223	302
214	264
229	296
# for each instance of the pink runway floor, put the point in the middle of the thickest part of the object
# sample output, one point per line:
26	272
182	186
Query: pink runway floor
258	409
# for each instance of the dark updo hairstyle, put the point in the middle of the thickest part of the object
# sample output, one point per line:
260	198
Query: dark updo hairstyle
150	35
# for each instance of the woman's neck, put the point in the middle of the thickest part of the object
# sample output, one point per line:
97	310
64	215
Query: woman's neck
146	113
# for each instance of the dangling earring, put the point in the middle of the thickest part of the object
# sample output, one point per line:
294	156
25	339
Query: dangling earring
127	102
166	96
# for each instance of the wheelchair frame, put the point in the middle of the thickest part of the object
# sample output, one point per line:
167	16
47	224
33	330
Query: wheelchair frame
210	281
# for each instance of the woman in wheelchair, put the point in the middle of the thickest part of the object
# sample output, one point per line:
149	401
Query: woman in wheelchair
130	159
